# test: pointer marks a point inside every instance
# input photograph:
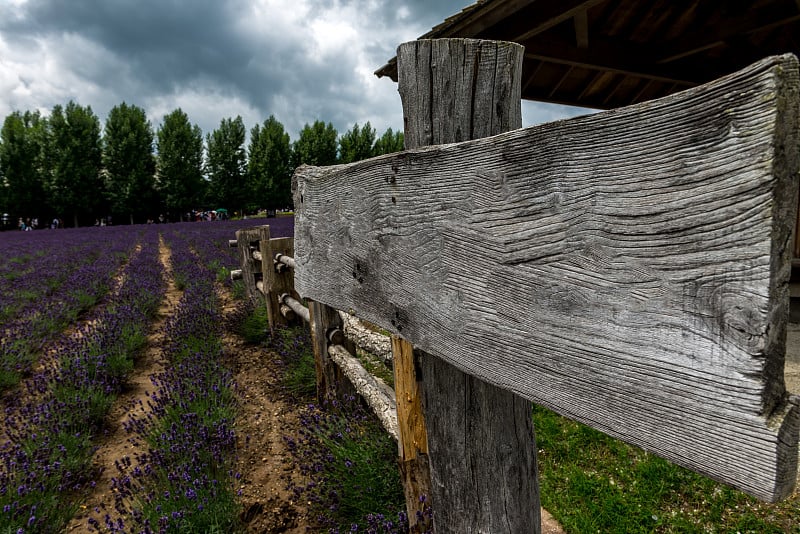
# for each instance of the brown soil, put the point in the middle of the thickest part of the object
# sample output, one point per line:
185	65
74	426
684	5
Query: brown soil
264	461
265	417
116	444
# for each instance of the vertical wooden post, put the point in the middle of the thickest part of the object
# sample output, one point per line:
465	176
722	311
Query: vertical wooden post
275	283
413	443
482	449
323	320
251	270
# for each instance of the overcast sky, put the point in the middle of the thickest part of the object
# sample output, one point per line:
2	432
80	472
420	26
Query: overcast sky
300	60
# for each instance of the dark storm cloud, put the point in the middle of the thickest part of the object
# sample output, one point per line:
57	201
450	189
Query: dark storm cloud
166	44
301	60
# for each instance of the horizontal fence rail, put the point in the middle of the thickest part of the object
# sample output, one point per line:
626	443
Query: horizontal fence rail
627	269
378	395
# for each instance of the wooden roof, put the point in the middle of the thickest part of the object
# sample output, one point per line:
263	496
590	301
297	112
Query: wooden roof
611	53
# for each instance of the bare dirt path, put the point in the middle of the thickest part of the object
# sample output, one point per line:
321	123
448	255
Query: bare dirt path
116	443
265	416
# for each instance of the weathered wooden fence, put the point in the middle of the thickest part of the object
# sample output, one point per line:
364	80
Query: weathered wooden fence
627	269
334	337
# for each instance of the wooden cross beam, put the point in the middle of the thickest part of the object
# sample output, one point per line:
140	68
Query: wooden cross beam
627	269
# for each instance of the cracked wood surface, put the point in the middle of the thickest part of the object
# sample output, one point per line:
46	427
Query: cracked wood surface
632	274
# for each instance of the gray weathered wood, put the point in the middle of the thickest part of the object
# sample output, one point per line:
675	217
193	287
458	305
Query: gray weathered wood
251	269
375	343
284	260
479	441
632	268
471	89
296	306
322	320
378	396
276	283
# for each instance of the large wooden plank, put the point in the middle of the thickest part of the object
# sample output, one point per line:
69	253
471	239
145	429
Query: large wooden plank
632	272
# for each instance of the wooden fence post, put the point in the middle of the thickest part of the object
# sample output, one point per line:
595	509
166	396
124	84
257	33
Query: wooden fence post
324	320
275	283
517	259
480	437
251	268
412	442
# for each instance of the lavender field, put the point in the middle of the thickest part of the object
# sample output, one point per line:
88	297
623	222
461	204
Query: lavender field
78	308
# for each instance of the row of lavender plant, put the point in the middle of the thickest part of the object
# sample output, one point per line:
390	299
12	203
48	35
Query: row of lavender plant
45	456
185	482
36	264
59	288
21	258
210	242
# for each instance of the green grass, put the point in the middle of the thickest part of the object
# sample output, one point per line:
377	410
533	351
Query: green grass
594	483
589	481
8	378
222	272
351	467
253	326
299	378
376	367
238	290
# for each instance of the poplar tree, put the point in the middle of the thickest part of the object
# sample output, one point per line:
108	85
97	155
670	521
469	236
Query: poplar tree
75	186
356	143
316	145
226	166
180	163
388	143
129	163
23	149
269	165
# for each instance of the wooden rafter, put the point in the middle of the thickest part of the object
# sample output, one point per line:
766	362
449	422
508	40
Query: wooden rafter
561	80
582	29
745	24
603	55
552	14
647	46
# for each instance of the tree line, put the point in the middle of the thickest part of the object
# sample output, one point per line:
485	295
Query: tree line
66	166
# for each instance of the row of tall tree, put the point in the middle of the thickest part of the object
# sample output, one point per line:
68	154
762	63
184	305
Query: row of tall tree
67	166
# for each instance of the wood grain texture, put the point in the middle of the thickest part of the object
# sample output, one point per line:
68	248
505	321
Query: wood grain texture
246	240
632	272
378	396
322	319
276	283
412	442
499	500
470	90
413	434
